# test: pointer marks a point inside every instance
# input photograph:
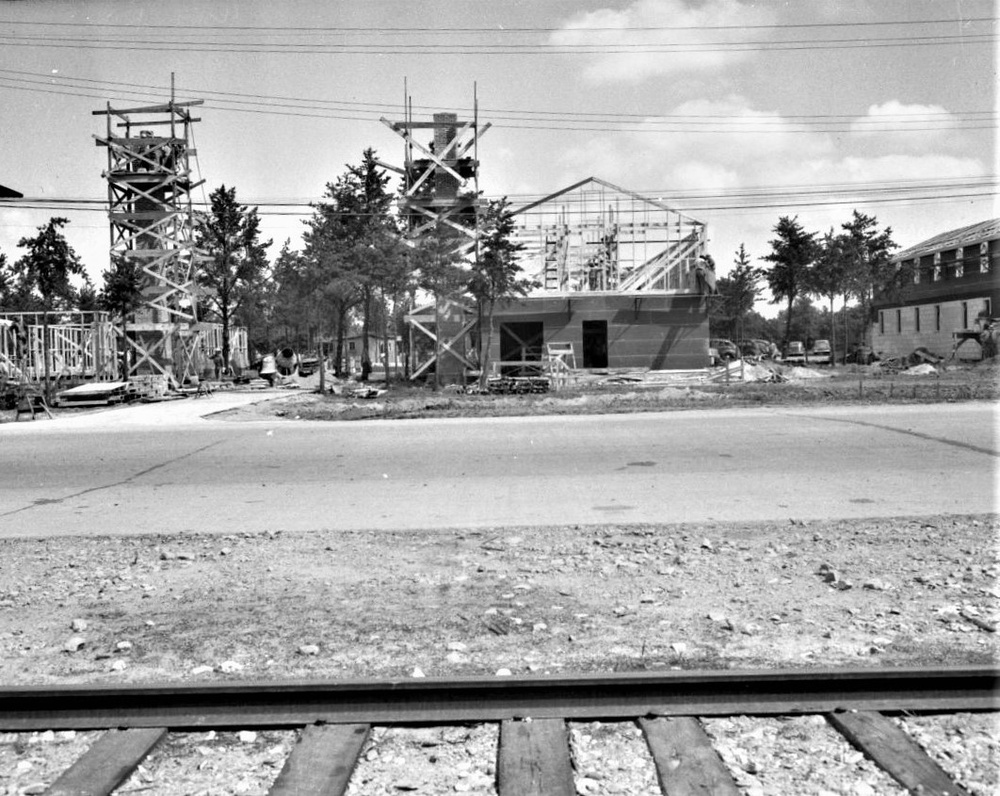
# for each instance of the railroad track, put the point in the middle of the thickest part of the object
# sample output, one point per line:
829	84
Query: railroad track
533	752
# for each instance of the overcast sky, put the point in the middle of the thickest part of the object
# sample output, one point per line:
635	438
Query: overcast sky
718	106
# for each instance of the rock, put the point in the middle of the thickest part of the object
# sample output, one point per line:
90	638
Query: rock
876	585
225	551
456	657
503	673
679	647
74	643
123	646
199	670
78	625
185	556
417	672
119	665
706	544
308	649
717	616
230	667
34	789
247	736
457	646
166	555
539	627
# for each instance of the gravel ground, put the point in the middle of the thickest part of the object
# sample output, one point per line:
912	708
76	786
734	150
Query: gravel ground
908	591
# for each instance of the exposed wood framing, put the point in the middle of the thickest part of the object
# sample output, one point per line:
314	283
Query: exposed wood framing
80	345
597	237
150	180
441	188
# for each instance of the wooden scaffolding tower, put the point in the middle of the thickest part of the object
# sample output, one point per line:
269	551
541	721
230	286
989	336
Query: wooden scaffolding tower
441	188
149	175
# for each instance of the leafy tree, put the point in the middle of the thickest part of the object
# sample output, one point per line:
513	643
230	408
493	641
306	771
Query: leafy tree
867	253
496	274
792	253
229	234
46	270
121	294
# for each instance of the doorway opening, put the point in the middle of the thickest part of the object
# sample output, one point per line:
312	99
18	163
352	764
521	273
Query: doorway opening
595	344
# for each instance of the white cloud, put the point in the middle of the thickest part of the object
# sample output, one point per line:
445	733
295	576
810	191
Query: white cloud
613	30
892	126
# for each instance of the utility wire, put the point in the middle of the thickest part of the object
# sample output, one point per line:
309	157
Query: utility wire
737	124
507	29
491	113
494	50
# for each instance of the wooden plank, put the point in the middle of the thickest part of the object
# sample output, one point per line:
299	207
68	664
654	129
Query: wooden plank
896	752
534	759
322	762
686	762
108	763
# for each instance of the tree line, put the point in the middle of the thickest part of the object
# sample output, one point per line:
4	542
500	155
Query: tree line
853	264
356	270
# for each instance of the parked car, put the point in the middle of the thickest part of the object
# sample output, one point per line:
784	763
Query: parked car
795	351
820	353
726	349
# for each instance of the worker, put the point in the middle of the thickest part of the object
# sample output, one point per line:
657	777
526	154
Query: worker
268	368
218	362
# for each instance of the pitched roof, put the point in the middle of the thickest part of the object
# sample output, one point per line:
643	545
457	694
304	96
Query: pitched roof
9	193
963	236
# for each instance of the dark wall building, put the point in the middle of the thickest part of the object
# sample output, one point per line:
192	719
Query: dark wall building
655	331
955	286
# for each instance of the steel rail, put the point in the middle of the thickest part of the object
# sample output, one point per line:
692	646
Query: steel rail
435	701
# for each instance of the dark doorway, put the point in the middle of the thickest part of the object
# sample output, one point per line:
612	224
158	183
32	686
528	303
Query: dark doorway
595	344
520	342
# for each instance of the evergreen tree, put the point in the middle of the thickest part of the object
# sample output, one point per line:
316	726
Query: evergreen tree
868	253
229	234
353	244
793	251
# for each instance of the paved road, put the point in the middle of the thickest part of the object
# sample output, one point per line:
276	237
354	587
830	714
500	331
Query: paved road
165	469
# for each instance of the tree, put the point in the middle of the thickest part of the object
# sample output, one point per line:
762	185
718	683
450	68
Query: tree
828	277
46	269
868	255
229	234
792	253
121	294
496	274
353	242
737	294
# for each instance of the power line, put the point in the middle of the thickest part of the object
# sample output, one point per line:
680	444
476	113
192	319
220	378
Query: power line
744	125
497	50
500	113
499	29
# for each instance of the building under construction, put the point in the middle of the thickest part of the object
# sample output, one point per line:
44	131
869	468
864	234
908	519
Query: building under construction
623	280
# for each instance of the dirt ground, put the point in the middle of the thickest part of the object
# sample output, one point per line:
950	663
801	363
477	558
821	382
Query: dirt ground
563	599
655	391
560	600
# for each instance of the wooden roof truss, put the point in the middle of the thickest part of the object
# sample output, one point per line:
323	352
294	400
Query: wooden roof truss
597	237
